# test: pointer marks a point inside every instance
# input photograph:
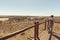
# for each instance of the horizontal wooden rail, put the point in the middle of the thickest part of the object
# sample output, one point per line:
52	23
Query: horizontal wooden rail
17	32
42	23
56	22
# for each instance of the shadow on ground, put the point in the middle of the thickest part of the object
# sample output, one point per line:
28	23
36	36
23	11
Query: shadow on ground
55	35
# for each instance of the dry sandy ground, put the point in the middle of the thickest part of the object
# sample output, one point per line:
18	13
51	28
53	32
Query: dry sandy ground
29	34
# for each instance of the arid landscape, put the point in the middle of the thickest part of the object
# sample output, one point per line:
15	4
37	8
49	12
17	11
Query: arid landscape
11	24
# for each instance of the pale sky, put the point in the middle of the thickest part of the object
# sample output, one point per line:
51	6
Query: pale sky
30	7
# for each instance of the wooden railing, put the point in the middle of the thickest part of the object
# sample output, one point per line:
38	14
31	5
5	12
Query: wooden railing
36	26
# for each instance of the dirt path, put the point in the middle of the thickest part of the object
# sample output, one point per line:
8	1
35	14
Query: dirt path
45	36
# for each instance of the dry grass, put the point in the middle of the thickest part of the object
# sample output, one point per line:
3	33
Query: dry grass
12	26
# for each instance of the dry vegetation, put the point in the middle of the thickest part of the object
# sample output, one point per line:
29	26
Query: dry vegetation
18	23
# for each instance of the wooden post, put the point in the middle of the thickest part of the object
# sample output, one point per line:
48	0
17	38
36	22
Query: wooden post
36	31
50	32
50	35
45	25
